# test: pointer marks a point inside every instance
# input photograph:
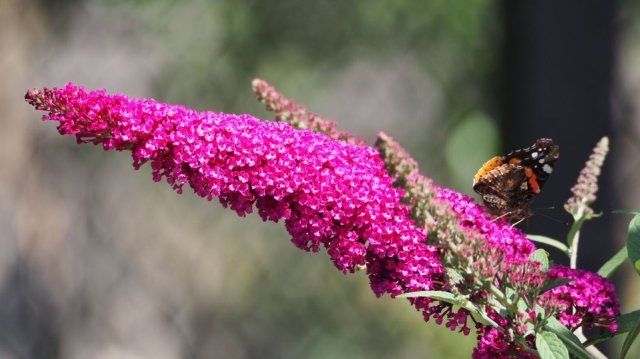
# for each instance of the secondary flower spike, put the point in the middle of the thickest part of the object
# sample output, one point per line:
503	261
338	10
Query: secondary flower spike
329	193
585	189
296	115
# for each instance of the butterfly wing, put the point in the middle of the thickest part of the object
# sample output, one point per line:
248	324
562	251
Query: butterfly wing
538	161
505	191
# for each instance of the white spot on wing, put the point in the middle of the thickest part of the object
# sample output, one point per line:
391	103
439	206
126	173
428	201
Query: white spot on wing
547	168
524	186
534	155
541	160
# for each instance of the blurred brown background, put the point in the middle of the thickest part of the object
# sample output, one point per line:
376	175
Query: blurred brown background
98	261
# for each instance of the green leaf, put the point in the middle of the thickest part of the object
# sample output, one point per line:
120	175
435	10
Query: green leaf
625	322
613	263
455	276
434	294
461	302
522	305
633	242
550	346
568	338
555	283
479	314
510	293
541	256
626	211
550	242
631	337
554	325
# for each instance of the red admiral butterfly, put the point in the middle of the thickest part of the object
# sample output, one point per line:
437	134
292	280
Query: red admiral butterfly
509	183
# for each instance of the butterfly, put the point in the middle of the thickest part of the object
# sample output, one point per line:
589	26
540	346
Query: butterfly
509	183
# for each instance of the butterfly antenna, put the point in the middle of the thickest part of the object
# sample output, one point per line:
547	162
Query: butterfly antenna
545	208
565	223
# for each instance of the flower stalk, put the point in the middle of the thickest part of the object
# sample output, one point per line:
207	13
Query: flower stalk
579	206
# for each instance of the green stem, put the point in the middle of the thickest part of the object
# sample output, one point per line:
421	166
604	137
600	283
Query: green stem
503	299
573	238
591	349
573	251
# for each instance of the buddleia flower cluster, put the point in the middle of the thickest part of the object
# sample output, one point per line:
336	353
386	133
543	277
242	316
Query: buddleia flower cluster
329	193
588	299
367	207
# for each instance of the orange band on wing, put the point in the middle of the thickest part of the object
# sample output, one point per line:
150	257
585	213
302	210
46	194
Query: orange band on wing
533	179
514	161
488	166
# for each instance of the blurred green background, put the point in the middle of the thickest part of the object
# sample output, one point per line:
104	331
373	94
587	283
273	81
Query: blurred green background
98	261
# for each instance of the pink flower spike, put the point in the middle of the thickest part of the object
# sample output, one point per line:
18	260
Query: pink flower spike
329	193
